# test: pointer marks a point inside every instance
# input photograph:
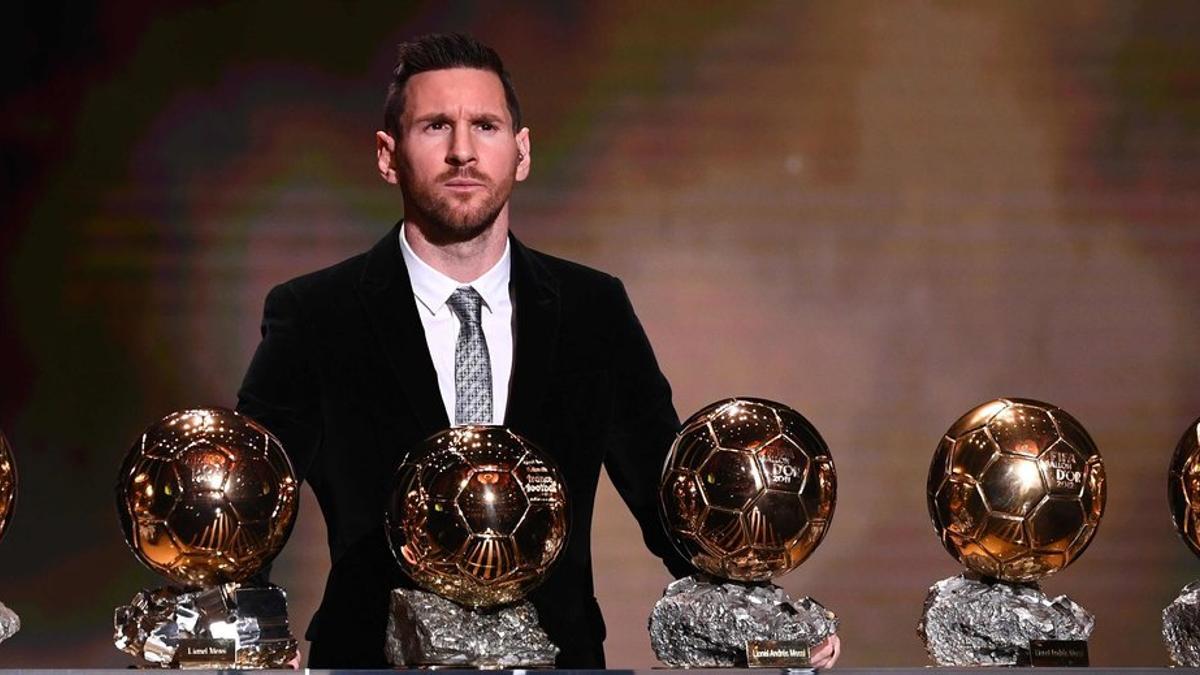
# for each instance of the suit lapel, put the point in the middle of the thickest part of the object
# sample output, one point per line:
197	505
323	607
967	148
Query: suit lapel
537	307
392	313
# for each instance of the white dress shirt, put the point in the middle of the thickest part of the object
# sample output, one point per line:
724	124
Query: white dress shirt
432	289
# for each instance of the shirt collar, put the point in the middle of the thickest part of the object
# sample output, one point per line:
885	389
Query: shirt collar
433	289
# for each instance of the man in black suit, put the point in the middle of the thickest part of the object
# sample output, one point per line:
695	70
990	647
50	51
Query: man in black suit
450	319
347	378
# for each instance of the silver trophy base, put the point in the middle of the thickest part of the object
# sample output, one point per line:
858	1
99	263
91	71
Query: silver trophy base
227	626
427	630
10	623
702	622
1181	627
977	622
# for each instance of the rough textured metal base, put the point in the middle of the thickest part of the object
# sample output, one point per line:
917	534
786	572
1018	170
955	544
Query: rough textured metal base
10	623
705	622
152	625
977	622
1181	627
425	629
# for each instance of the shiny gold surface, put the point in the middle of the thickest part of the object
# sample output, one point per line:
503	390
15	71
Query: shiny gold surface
8	484
1016	489
478	515
748	489
206	496
1183	487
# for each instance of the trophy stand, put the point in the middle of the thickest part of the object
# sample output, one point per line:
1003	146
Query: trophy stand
10	623
970	620
1016	492
228	626
702	622
426	630
1181	627
477	516
747	494
207	497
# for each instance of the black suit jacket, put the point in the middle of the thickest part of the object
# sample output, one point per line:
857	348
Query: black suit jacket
344	378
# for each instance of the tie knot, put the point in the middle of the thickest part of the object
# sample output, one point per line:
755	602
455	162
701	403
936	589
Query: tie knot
466	303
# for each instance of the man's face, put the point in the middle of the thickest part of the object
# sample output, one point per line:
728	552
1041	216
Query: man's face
456	158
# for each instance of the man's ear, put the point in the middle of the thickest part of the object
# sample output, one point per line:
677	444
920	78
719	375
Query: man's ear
385	154
523	156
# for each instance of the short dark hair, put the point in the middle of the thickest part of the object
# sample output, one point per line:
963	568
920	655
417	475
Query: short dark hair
440	51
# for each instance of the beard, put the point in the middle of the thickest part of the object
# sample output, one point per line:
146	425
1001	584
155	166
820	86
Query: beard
451	220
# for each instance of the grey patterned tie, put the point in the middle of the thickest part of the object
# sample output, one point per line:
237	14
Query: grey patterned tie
472	366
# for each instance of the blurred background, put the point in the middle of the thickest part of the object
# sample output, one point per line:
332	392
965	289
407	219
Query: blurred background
881	213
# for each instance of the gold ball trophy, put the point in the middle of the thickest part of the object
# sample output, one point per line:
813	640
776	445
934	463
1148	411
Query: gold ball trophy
747	494
207	498
1181	618
477	516
10	623
1016	491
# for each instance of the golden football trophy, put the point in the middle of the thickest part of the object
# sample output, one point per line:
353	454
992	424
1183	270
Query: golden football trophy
1181	618
207	498
10	623
477	517
1016	491
747	493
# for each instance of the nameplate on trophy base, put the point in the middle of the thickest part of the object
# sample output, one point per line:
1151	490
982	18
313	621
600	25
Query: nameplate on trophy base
206	653
1058	653
776	654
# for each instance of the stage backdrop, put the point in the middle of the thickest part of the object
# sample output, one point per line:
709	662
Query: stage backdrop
880	213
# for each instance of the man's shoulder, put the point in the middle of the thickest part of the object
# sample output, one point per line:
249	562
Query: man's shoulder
347	271
572	275
328	284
